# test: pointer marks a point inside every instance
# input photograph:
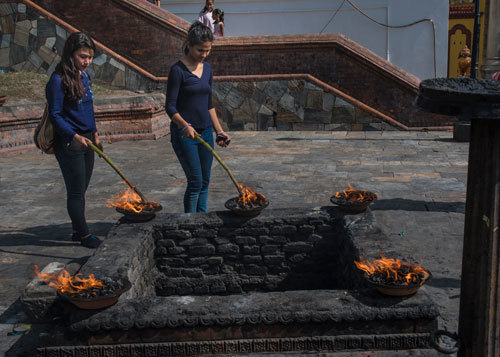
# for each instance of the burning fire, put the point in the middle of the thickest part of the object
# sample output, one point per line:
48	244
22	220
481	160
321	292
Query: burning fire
131	201
354	195
65	283
250	197
393	271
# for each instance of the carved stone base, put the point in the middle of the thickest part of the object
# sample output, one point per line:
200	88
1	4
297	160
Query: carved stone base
263	345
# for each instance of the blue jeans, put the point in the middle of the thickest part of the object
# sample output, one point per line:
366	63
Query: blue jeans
76	166
196	161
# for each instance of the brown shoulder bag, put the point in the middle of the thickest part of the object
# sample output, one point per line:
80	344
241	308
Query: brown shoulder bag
44	136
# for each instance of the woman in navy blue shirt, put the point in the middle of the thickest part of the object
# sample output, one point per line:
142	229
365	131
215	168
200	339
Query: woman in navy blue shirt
71	108
190	108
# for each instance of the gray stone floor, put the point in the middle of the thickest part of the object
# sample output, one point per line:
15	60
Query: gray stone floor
420	179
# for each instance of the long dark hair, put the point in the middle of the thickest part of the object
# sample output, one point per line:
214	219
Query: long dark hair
66	68
220	13
197	34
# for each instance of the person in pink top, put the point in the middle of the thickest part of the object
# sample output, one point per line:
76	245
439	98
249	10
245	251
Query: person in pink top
205	16
495	76
218	16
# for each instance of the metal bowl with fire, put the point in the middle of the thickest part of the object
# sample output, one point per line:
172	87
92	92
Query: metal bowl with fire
393	276
353	200
88	293
133	207
249	203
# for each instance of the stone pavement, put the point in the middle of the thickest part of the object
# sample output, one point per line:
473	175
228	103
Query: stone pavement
419	177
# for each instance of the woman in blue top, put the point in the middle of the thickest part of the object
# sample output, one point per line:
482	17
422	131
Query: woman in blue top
71	108
189	106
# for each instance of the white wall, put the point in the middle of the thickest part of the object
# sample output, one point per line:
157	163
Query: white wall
410	48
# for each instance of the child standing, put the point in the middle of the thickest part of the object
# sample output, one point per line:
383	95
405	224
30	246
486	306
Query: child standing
218	16
205	16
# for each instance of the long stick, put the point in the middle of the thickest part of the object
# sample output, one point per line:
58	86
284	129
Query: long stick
221	162
118	171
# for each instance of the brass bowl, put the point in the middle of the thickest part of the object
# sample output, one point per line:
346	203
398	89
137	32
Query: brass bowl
143	216
354	206
396	290
233	206
97	302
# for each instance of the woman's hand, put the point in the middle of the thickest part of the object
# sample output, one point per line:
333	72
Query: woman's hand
189	132
80	141
97	141
222	139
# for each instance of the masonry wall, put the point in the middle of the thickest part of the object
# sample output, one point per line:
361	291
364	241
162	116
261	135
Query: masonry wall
284	251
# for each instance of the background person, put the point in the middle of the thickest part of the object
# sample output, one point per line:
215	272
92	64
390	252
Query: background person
218	16
205	16
189	106
71	108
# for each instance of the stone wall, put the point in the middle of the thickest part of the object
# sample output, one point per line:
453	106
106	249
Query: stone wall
286	250
31	42
293	104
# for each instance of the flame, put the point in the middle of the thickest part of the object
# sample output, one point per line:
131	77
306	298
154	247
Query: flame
352	194
394	270
65	283
129	200
249	197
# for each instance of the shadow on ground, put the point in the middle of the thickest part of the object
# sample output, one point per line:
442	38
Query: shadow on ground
417	205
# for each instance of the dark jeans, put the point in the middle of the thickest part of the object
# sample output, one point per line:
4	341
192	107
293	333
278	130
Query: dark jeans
76	166
196	161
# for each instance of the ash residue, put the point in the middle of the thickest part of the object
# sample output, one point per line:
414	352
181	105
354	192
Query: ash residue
462	85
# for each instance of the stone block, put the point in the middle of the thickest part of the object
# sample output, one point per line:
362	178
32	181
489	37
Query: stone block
276	89
295	86
5	57
18	54
119	80
100	59
207	249
21	36
343	114
316	116
46	54
297	247
46	28
5	40
21	8
116	64
5	9
259	96
286	116
228	248
246	88
38	298
60	32
314	99
35	60
287	102
7	24
26	24
328	102
234	99
50	42
363	117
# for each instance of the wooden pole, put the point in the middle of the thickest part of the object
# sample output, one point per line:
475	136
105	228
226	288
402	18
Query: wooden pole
118	171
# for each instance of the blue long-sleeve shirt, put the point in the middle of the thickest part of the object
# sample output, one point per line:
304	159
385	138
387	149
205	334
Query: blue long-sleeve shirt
70	116
189	95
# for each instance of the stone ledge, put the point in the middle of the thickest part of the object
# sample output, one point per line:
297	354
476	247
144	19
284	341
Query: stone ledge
117	118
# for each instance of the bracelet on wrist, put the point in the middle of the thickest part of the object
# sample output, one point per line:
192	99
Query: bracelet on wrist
188	125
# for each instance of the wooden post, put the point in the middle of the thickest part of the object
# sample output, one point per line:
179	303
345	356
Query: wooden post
479	321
